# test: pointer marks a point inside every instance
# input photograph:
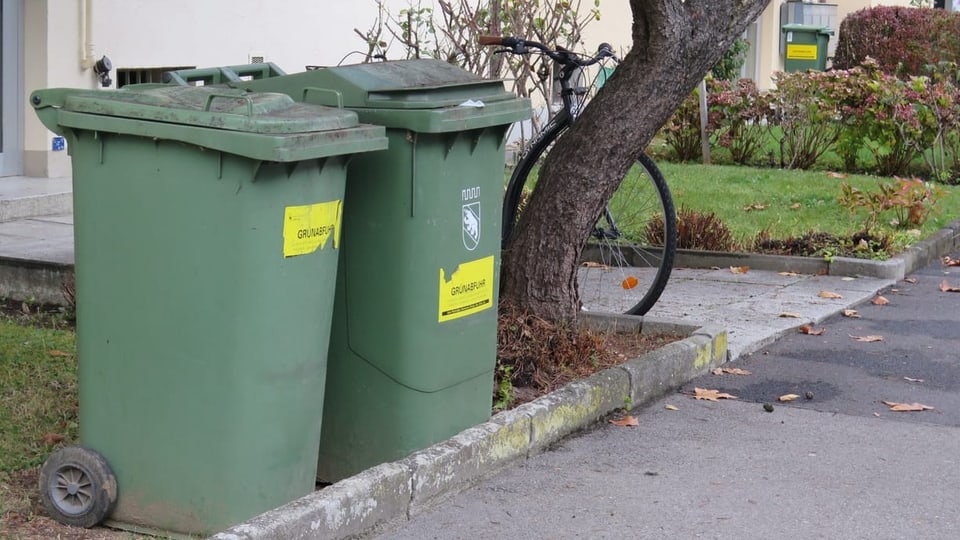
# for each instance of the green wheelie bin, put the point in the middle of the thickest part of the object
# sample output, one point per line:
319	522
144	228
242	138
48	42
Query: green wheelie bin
413	345
207	228
806	47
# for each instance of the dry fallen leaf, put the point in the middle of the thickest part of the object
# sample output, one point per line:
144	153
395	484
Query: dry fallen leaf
731	371
754	206
946	287
832	174
629	282
796	206
790	315
57	353
867	339
712	395
810	331
910	279
828	294
906	407
947	261
788	274
626	421
911	379
591	264
25	308
852	313
739	269
879	301
50	439
671	407
788	397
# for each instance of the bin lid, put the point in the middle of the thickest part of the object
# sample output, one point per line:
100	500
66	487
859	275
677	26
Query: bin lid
214	107
806	28
424	95
269	126
404	84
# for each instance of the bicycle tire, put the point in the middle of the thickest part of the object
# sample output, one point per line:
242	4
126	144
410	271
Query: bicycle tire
628	271
618	274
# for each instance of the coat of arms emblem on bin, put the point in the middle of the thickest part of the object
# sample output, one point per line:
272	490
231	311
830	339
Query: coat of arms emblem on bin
471	226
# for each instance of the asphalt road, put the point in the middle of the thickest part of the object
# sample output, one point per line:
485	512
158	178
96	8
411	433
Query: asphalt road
838	465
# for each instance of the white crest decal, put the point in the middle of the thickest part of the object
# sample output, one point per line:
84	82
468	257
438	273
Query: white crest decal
471	226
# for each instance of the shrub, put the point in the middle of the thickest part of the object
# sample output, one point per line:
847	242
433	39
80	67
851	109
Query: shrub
903	40
695	230
805	107
682	131
738	118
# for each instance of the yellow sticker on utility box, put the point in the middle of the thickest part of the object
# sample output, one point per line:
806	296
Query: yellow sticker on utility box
309	227
469	289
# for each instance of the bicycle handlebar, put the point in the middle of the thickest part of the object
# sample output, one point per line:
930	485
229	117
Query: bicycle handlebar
515	45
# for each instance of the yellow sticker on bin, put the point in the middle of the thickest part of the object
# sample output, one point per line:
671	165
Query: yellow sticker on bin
801	52
469	289
309	227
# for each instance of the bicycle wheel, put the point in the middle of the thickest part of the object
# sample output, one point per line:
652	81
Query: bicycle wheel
629	257
524	176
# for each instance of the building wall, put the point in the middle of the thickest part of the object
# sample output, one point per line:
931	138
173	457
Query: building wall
165	33
172	33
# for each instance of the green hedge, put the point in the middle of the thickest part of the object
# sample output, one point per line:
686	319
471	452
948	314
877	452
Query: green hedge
902	40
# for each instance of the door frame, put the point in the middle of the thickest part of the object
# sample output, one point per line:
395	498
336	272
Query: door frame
11	107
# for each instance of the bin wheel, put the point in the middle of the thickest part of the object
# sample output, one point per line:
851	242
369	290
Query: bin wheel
77	487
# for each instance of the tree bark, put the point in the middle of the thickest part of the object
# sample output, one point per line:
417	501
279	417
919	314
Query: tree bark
675	43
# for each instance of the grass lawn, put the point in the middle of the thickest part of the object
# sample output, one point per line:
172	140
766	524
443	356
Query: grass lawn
38	392
787	202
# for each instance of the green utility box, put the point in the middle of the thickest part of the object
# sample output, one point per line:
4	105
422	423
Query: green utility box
413	346
806	47
207	232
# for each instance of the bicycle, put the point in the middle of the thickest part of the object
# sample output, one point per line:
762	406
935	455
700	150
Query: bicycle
624	246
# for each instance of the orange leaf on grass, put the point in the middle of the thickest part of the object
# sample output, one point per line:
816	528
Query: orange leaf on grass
50	439
626	421
55	352
629	282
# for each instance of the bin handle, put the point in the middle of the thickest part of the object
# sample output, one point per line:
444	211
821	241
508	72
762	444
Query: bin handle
335	93
214	95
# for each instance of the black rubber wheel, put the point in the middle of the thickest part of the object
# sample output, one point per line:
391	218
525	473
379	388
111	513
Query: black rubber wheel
624	269
628	260
77	487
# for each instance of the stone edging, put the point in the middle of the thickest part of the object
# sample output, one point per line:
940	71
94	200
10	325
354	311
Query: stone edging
399	490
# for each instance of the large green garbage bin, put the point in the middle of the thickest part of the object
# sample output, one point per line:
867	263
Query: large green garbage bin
207	228
806	47
413	346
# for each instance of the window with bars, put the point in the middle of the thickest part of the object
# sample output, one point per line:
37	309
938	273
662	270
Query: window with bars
127	76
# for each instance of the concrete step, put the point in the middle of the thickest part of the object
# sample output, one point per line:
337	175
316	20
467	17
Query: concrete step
25	197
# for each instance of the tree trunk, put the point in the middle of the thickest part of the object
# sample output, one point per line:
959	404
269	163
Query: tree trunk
675	43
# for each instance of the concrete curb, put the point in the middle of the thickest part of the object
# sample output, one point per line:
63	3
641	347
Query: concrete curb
391	492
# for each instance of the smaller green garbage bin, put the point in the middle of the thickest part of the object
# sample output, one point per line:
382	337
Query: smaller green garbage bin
207	230
806	47
414	338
